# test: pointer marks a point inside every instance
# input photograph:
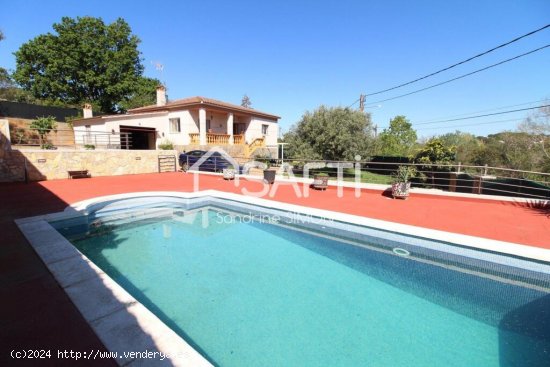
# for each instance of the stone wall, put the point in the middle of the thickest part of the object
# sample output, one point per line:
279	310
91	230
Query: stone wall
51	164
4	137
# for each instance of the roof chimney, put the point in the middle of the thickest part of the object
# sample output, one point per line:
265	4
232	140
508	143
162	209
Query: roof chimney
161	95
87	111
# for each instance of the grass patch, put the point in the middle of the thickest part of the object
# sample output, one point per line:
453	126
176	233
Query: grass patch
368	177
349	175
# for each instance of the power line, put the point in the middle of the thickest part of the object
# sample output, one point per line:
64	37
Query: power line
464	125
453	126
463	76
357	100
480	111
485	115
477	116
459	63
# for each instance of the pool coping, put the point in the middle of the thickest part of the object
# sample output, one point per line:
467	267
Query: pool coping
486	244
121	322
124	324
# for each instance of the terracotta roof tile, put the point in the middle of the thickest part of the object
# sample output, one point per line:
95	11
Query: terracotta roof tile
198	100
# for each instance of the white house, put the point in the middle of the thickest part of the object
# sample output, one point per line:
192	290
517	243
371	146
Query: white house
189	123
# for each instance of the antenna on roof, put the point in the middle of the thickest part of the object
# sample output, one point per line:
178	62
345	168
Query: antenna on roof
160	68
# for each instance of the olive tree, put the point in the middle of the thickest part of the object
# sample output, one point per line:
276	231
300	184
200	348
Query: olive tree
330	133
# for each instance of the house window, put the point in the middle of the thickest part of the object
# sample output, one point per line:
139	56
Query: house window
264	129
175	125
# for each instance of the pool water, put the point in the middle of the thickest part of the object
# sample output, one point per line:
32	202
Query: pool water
258	294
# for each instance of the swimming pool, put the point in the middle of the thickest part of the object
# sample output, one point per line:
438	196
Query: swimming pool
250	285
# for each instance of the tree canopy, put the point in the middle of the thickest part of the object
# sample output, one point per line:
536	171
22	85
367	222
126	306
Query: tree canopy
330	133
10	91
466	145
144	94
398	139
436	152
84	61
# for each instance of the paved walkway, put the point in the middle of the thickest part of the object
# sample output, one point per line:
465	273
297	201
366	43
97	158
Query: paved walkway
36	313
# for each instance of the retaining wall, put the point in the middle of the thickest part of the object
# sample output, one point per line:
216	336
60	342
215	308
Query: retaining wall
48	164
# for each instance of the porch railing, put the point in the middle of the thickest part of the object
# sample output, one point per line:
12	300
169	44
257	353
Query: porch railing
238	139
216	139
256	143
195	139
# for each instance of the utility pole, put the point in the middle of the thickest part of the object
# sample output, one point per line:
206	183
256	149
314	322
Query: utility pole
375	131
362	98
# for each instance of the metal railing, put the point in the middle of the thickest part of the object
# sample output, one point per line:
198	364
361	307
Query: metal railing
107	140
27	137
446	177
449	177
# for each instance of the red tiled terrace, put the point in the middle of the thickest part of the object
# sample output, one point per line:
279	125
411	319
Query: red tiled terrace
36	313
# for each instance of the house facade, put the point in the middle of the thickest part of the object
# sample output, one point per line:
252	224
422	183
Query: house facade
190	123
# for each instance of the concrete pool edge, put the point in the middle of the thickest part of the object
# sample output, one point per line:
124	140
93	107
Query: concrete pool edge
121	322
479	243
79	277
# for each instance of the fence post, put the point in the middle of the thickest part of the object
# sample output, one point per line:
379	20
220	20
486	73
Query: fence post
478	185
26	170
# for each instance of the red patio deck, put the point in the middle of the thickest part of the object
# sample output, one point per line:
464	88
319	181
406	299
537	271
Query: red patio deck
36	313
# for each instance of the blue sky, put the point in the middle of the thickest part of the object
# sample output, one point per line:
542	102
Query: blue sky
292	56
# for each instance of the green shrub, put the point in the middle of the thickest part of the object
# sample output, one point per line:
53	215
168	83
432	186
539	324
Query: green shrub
43	125
166	145
404	174
48	146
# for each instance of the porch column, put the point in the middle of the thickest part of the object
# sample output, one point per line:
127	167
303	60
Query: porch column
202	126
230	127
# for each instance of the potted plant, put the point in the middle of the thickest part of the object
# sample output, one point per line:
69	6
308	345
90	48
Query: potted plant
401	181
269	175
320	181
228	174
